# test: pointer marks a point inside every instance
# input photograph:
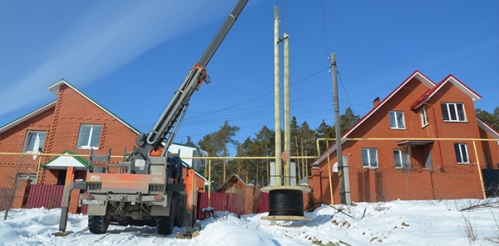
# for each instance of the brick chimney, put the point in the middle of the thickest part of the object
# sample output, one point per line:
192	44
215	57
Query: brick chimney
376	102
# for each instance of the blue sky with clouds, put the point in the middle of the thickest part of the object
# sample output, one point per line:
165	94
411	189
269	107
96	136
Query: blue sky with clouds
130	56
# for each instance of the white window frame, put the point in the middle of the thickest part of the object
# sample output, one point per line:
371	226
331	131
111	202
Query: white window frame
424	116
395	117
38	143
370	162
80	144
403	158
451	109
30	176
462	154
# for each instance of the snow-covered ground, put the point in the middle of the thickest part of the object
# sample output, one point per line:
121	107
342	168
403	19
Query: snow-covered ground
385	223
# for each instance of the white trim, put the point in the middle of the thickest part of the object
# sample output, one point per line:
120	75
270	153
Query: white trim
27	117
395	113
461	154
487	128
461	86
424	117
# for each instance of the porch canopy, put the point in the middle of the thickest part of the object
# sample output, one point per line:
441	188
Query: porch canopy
62	162
415	142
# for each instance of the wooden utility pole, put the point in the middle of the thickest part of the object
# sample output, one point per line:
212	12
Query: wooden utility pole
287	127
277	104
344	180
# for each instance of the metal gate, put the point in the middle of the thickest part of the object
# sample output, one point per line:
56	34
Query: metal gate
491	182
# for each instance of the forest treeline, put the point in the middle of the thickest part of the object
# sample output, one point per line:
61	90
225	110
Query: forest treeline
303	143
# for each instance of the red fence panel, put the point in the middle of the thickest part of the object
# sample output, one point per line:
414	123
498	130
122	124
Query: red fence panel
262	203
48	196
83	209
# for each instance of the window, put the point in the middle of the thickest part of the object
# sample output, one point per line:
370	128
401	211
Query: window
396	120
453	111
34	141
31	177
369	158
89	136
424	116
461	153
401	159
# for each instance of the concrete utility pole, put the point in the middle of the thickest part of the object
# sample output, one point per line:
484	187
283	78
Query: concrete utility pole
277	104
287	127
342	169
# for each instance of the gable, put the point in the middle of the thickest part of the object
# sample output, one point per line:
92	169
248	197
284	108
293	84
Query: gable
416	75
56	88
62	84
445	83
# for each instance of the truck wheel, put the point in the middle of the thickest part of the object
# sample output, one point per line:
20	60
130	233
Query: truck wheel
179	215
98	224
164	225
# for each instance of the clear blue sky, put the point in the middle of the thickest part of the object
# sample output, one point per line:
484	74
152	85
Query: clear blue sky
130	56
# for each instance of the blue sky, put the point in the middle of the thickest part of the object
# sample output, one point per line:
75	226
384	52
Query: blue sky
130	56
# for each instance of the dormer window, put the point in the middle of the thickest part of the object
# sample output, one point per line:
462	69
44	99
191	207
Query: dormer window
424	117
453	112
396	120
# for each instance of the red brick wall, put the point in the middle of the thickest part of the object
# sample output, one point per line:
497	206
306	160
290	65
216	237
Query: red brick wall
13	140
71	111
492	150
449	180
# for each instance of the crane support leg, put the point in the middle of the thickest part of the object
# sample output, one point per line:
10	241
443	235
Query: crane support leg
68	187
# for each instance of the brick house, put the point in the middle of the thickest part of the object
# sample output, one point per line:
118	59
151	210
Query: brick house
72	124
417	143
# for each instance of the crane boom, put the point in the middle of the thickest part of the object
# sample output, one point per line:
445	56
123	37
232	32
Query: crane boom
150	189
167	125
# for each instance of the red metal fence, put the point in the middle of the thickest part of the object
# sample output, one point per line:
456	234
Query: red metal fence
232	202
50	196
47	196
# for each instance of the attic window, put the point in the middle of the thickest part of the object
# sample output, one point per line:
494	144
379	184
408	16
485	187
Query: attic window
89	137
453	112
34	141
396	120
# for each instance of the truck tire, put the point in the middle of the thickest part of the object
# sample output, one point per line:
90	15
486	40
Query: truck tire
179	215
164	225
98	224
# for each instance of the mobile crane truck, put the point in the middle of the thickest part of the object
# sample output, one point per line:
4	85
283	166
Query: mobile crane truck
150	188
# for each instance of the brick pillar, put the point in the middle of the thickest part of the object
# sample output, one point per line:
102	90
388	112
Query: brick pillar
73	202
18	199
249	199
477	182
427	189
315	183
372	185
308	199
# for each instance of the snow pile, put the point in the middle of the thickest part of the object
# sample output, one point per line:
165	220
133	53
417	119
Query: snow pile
451	222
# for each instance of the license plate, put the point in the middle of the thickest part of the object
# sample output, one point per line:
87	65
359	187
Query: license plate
93	202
